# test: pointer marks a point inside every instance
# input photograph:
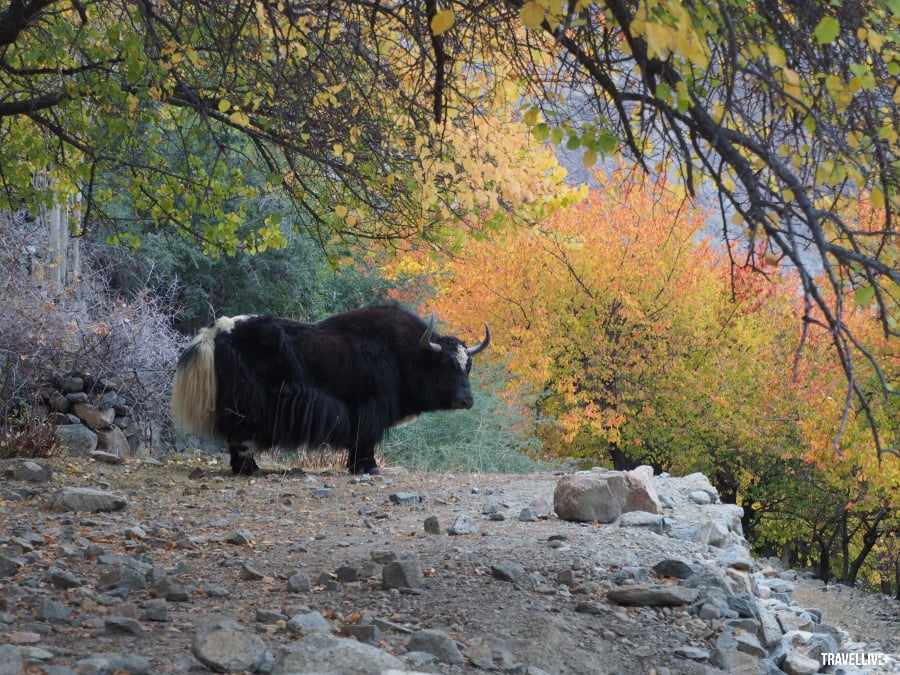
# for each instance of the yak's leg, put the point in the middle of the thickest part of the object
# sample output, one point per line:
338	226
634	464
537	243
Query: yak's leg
361	459
242	459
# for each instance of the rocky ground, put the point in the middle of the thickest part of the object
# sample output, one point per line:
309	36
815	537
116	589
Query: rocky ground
179	567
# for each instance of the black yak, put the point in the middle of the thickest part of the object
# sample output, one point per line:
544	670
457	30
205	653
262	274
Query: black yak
260	382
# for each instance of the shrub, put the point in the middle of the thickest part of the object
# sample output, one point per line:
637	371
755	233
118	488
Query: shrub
46	331
494	436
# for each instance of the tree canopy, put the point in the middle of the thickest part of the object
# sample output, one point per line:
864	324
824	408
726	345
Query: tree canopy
392	119
186	108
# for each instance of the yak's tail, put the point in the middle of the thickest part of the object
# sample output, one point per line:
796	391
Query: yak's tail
194	385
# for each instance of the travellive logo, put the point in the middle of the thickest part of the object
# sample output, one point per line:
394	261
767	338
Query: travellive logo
854	659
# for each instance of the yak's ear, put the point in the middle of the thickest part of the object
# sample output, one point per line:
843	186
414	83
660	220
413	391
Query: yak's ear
425	340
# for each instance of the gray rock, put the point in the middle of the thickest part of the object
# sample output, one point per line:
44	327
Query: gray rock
114	442
507	570
31	471
76	437
528	515
142	568
693	653
309	622
108	664
406	498
709	611
9	566
641	495
708	579
123	625
643	519
11	661
383	557
790	621
240	538
93	417
588	496
770	631
698	481
250	573
298	583
699	497
435	642
749	644
796	663
630	574
105	457
734	662
744	606
52	611
72	384
227	647
347	573
84	499
652	595
673	568
403	573
156	609
264	615
122	576
322	653
737	557
463	525
432	525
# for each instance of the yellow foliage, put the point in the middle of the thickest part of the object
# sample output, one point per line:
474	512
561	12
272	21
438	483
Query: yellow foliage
667	27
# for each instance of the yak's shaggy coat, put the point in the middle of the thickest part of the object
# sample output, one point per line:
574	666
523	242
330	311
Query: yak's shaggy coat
261	382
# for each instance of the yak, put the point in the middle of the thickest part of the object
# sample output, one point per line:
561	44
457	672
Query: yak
261	382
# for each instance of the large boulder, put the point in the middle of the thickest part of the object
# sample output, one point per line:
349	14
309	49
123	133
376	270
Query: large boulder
601	495
589	496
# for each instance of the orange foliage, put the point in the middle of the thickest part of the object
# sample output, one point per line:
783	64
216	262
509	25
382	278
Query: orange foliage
612	310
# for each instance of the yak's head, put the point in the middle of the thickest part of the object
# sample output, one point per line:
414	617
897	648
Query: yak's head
448	364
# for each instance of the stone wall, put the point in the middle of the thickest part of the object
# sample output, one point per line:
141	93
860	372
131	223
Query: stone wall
93	415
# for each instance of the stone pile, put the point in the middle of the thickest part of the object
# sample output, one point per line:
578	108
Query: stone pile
749	608
92	415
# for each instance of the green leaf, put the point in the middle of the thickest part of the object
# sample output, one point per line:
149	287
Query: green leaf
540	132
863	295
607	143
827	30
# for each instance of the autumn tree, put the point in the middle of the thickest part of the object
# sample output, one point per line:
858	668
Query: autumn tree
627	326
787	108
188	110
639	346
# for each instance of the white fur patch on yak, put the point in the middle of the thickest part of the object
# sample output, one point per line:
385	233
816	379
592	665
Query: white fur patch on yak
462	356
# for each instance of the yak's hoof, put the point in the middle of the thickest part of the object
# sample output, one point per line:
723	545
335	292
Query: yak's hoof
362	469
246	468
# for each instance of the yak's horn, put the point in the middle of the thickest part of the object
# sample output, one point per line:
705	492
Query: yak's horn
484	344
426	337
